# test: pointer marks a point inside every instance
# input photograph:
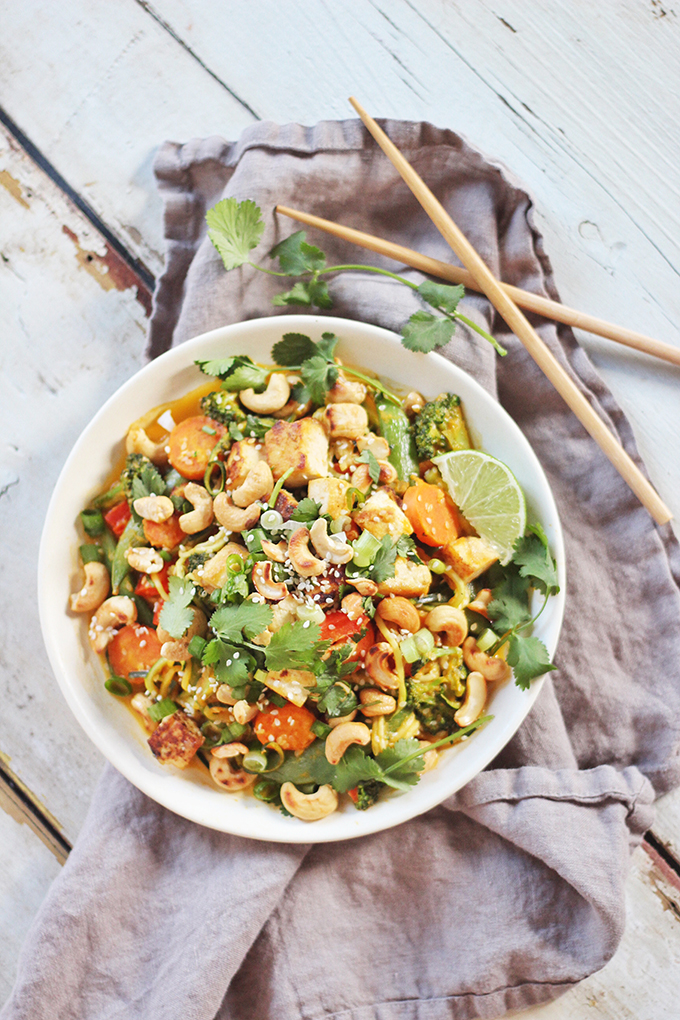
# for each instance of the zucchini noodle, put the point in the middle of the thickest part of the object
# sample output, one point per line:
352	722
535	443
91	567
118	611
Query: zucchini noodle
211	545
398	657
156	581
152	675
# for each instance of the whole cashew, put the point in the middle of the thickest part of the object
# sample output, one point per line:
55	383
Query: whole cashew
449	621
334	548
145	560
244	712
258	485
399	611
274	551
230	778
117	611
309	807
201	516
274	397
481	602
380	666
346	391
340	738
475	699
233	518
303	562
490	666
265	583
352	605
95	589
137	441
342	719
154	508
363	585
375	703
378	445
361	478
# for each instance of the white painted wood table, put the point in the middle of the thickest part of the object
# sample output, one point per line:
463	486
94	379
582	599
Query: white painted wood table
580	100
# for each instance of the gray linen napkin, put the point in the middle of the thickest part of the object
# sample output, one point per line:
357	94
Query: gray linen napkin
512	890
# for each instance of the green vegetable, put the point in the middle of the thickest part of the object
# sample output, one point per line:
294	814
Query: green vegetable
231	623
160	709
132	536
307	511
368	791
384	561
294	646
119	686
267	791
109	498
440	427
424	691
234	228
176	617
394	425
364	549
93	522
90	554
140	478
223	407
296	350
237	373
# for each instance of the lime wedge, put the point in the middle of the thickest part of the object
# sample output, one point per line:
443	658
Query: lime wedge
488	495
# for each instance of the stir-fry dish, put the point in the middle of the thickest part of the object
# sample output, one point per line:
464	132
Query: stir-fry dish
285	591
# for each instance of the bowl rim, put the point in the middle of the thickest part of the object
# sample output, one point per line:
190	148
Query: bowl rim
164	789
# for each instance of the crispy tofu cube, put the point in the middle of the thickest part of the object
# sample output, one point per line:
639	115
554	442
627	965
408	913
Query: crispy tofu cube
346	421
243	455
381	515
176	740
470	556
300	445
213	573
285	504
331	493
410	579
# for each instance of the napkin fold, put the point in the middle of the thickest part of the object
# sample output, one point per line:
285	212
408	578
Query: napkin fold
512	890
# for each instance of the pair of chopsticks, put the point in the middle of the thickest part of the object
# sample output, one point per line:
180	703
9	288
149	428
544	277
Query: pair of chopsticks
505	299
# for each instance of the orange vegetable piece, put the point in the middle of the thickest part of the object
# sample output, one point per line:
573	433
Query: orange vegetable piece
191	446
164	534
133	648
289	726
117	518
432	515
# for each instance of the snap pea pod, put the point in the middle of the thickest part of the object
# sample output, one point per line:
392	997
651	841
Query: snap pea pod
132	536
394	425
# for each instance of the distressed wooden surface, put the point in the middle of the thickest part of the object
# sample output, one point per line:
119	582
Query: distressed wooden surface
579	101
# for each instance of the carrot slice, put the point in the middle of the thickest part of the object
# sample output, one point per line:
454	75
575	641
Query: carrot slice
432	515
132	649
191	443
164	534
290	727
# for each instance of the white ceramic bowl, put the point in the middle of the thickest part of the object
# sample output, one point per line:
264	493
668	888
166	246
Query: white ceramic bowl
113	727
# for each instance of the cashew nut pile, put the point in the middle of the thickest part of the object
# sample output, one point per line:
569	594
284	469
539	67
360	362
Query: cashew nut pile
273	602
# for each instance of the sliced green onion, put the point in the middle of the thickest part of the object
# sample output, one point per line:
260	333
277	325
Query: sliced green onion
93	522
338	524
208	430
160	709
408	649
277	488
267	790
165	555
271	520
436	566
424	641
353	496
196	646
314	614
486	639
90	554
364	549
215	486
320	729
119	686
255	761
235	563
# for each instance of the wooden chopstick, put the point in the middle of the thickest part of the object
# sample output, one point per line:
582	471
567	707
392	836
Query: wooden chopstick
455	274
520	325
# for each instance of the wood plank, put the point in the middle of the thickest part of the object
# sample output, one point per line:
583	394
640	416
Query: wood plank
97	91
74	330
642	980
667	822
27	869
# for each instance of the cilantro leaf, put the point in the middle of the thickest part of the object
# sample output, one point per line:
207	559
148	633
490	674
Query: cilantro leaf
529	658
441	295
424	331
232	622
176	617
307	293
326	345
406	548
334	668
383	561
234	228
293	349
311	766
307	511
237	373
510	604
532	556
338	700
147	482
232	665
319	377
402	763
367	457
296	256
354	766
295	646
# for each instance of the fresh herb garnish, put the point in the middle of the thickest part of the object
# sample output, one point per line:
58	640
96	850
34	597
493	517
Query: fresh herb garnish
236	228
176	617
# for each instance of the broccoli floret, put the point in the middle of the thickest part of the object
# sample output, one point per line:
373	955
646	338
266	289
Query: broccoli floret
430	697
196	559
223	407
368	791
440	427
140	478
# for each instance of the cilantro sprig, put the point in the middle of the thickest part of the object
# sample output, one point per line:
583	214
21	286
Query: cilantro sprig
531	566
236	228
